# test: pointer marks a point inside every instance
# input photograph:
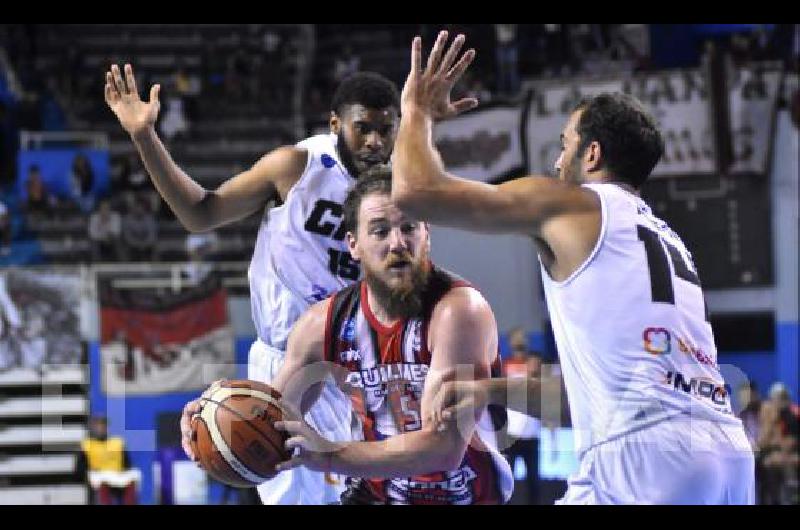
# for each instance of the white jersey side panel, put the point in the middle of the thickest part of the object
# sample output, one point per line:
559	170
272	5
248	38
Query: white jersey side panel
300	244
631	330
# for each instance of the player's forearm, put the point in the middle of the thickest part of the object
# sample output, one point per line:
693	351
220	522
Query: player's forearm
184	195
525	394
417	168
405	455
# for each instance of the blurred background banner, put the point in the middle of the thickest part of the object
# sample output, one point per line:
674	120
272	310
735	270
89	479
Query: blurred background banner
682	102
483	145
39	319
753	97
154	342
678	99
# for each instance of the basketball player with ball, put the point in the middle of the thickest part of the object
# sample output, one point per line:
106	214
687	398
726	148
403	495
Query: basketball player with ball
300	256
390	340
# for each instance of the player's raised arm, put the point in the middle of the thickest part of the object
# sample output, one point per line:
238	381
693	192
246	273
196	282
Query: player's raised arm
197	208
423	187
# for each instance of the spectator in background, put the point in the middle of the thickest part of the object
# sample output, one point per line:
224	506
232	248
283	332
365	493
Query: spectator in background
105	460
139	232
750	414
82	183
507	55
5	230
134	182
750	403
39	203
188	87
105	228
175	123
778	446
523	430
237	69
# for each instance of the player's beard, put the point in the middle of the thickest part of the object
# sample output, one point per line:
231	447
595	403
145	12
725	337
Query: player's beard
349	160
346	155
406	300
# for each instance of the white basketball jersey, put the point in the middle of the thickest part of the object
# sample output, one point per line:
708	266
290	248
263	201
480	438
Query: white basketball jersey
631	328
300	255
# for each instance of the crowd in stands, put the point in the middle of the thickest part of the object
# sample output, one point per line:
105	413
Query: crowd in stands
773	428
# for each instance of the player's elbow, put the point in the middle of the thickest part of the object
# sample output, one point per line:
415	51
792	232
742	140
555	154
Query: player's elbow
200	218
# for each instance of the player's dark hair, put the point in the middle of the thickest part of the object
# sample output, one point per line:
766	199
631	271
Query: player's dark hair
369	89
627	133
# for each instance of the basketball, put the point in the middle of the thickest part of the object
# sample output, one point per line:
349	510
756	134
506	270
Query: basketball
234	438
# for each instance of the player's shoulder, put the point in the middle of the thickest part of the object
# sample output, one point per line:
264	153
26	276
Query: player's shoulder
321	149
284	162
462	303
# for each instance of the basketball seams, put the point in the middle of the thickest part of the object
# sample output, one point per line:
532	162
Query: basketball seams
246	421
247	392
231	476
208	416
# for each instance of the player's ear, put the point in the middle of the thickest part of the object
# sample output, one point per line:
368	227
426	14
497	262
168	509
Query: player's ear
335	122
352	245
593	156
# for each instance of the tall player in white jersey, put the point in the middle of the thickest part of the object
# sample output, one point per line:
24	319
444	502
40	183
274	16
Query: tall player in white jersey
650	410
300	255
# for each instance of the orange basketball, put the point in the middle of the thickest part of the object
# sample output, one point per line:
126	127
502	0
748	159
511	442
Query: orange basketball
234	437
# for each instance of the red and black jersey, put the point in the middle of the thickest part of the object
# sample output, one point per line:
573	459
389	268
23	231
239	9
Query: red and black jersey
387	367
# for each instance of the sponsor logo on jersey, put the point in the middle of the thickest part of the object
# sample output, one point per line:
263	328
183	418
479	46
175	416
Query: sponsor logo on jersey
703	387
327	161
349	330
385	373
686	346
455	487
350	356
657	341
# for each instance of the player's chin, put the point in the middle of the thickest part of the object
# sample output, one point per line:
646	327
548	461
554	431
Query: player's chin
362	165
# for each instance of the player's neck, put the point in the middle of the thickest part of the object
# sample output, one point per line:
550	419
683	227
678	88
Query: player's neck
625	186
379	312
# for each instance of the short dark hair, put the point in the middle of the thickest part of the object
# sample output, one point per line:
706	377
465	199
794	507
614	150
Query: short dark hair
377	179
628	134
372	90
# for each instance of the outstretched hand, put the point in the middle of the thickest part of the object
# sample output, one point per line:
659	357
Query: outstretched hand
429	90
122	97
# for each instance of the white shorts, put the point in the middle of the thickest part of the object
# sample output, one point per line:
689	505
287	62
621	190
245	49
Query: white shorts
330	416
677	461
